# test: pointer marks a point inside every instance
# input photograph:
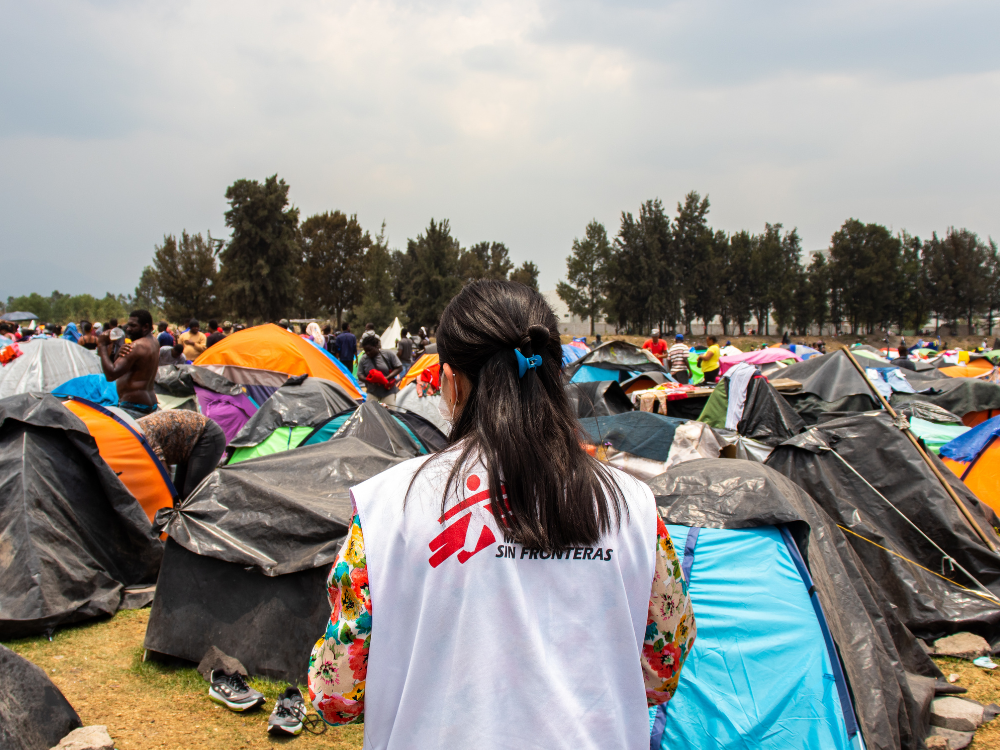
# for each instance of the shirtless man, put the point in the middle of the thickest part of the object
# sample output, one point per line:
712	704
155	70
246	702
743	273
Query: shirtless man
134	371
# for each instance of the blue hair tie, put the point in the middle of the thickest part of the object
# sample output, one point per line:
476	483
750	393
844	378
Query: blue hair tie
527	363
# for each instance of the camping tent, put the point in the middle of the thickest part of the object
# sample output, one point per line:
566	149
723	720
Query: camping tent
248	554
289	416
71	533
757	357
224	402
597	398
46	364
906	530
428	363
123	447
613	360
262	358
764	671
975	458
391	335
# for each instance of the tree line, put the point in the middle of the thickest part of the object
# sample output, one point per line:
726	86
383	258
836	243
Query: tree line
668	272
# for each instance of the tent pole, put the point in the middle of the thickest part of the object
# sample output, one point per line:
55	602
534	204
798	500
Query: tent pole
944	482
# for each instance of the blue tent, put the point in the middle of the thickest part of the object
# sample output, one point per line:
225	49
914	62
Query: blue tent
764	672
93	388
571	354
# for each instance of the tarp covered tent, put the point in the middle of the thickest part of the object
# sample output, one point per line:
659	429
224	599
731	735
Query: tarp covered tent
425	405
756	357
906	530
597	398
767	417
71	533
975	458
34	714
883	665
124	448
391	335
289	416
224	402
262	358
248	555
637	442
94	388
19	316
613	360
571	353
46	364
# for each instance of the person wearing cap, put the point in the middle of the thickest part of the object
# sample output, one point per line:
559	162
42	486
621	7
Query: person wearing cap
656	345
677	359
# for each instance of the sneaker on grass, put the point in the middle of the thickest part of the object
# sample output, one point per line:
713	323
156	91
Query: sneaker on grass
288	714
232	691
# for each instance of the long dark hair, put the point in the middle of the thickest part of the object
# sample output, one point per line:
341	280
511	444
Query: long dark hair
522	429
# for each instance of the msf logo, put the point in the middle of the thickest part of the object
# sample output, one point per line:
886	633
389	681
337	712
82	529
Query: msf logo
468	534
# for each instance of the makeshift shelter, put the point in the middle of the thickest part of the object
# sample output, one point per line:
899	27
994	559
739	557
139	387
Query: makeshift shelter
613	360
906	530
93	388
124	448
46	364
799	649
597	398
248	554
974	457
300	405
224	402
19	316
423	403
757	357
72	535
766	417
262	358
391	335
571	353
34	714
646	380
637	442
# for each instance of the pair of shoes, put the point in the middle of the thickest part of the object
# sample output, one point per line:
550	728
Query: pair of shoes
232	691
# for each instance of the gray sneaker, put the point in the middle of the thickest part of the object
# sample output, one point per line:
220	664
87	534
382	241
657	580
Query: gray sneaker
288	714
232	691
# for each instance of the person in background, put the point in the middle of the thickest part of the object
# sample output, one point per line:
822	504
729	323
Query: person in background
656	345
172	355
187	440
345	346
72	333
313	332
193	340
218	335
498	562
164	338
88	340
677	360
709	361
283	323
597	341
405	352
134	371
378	369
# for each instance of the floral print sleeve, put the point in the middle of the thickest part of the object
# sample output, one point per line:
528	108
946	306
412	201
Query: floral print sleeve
339	662
670	627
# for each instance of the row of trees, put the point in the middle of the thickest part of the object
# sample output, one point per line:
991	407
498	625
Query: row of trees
62	308
669	272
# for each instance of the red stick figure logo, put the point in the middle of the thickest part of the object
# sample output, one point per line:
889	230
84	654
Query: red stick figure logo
456	534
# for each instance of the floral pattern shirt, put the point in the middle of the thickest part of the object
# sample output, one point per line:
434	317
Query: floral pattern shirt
338	666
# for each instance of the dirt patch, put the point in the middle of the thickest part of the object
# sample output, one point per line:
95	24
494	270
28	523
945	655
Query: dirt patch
983	686
99	668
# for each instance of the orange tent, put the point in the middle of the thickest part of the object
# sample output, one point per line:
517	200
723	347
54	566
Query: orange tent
429	362
128	454
976	368
975	459
267	355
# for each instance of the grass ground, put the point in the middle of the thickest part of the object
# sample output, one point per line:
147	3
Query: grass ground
99	668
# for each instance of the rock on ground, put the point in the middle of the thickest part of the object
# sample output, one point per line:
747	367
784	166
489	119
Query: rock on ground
935	742
956	713
94	737
962	646
956	740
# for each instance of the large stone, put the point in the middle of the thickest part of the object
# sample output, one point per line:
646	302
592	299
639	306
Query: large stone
962	646
937	743
956	713
956	740
94	737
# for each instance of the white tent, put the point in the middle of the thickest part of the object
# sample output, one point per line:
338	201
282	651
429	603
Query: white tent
392	334
45	365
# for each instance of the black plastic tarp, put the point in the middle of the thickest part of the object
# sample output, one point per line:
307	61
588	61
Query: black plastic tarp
279	513
72	536
614	355
374	425
876	649
597	398
767	417
180	380
432	438
957	395
301	401
640	433
34	714
897	516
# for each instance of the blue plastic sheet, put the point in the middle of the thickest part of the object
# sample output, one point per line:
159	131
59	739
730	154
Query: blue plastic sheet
759	675
588	374
966	447
93	388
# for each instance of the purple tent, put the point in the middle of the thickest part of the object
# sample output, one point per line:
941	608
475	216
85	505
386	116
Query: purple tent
229	412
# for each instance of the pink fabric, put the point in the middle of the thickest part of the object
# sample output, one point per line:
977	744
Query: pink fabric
759	357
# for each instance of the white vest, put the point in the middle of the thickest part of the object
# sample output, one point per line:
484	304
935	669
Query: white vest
478	643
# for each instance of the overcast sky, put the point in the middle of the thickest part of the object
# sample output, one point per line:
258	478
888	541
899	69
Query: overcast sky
519	121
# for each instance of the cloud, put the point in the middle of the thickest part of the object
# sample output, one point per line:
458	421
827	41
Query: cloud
519	121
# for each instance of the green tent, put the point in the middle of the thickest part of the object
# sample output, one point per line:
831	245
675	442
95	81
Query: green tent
935	435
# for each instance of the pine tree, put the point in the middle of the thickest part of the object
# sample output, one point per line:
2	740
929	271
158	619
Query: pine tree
586	272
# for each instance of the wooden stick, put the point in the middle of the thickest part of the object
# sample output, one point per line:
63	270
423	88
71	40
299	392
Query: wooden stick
923	454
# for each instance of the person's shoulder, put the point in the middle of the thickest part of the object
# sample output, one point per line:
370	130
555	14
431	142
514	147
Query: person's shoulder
396	479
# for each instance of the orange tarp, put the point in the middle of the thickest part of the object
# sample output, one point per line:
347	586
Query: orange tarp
128	456
270	347
974	418
974	369
426	361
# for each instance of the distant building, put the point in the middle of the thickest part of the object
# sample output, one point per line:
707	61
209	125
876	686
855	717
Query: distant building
573	325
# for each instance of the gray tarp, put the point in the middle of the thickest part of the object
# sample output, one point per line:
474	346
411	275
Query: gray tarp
597	398
373	424
180	380
45	365
876	649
